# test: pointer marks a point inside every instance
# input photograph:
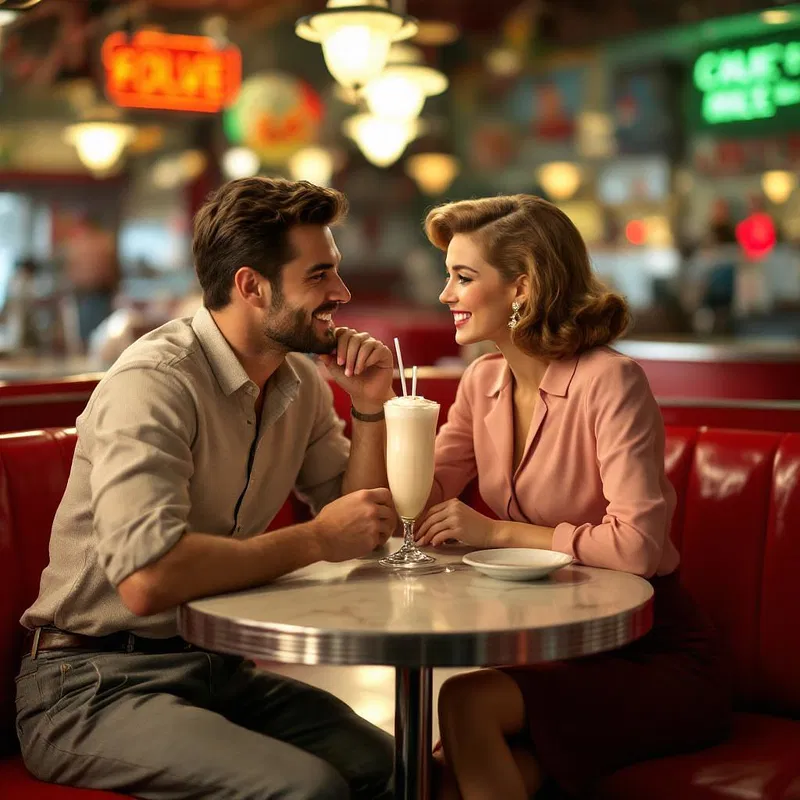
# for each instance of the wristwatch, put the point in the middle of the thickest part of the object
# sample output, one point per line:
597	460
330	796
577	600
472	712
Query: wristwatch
376	417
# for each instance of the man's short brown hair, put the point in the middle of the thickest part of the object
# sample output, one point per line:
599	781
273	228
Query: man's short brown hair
569	310
246	223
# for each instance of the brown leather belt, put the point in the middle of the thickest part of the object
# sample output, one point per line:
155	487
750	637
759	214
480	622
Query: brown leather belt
41	639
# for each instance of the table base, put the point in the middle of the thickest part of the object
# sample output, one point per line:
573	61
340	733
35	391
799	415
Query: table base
412	730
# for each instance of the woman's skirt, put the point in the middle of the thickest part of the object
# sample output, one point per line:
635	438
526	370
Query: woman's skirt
664	694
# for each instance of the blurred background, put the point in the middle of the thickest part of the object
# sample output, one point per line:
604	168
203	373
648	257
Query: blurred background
669	133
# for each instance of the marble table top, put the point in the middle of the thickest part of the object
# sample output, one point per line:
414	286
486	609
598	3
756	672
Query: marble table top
359	612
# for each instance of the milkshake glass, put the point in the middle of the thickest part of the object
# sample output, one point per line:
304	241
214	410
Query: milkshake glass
410	436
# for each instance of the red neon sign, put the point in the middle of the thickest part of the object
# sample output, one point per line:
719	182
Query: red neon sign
756	235
172	72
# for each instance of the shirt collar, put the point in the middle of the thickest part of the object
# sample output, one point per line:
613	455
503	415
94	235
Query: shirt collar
556	380
227	369
558	376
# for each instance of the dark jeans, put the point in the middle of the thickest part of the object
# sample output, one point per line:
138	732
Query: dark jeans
193	725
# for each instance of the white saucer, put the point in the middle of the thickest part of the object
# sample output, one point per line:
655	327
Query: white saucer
517	563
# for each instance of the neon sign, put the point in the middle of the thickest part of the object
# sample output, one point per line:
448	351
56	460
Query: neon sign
756	235
760	82
165	71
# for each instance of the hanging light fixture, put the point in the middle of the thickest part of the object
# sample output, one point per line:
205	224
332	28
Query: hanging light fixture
778	185
382	141
355	36
240	162
399	92
433	172
560	179
100	145
312	164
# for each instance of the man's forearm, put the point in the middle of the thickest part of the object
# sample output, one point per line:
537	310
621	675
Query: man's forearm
366	468
200	565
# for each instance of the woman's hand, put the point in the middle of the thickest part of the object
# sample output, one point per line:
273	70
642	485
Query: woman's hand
455	520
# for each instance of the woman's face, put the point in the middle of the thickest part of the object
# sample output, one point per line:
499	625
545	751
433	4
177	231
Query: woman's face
478	297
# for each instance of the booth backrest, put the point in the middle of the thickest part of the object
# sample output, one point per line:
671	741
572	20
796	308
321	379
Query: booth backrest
737	526
44	404
25	406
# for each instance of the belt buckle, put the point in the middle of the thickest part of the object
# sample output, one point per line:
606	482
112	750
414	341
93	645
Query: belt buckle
37	633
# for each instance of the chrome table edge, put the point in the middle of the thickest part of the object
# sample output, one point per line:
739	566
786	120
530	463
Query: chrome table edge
289	644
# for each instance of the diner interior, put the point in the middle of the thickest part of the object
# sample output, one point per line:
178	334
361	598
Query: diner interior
669	133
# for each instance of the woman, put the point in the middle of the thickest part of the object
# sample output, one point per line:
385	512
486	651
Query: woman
568	445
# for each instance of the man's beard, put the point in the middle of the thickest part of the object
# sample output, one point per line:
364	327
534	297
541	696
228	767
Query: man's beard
296	332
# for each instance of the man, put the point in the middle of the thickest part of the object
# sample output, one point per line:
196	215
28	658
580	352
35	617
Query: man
186	451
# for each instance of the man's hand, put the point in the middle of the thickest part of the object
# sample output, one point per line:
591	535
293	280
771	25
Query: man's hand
362	366
354	525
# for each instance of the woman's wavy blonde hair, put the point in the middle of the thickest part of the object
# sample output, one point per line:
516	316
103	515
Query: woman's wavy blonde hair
569	310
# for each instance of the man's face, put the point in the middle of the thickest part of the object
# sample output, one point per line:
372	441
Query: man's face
309	292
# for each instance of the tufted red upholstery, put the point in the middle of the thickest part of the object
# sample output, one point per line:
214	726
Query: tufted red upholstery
25	406
738	527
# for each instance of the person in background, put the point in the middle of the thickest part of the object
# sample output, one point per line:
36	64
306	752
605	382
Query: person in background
567	443
710	288
18	314
92	270
187	450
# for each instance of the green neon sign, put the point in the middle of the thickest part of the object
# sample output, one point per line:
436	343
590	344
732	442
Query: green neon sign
748	84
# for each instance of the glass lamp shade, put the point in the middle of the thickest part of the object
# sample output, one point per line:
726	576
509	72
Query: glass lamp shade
99	144
560	179
313	164
355	37
433	172
382	141
240	162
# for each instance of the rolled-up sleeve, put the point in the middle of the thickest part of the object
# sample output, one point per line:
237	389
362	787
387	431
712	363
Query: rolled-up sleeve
141	465
319	481
630	451
455	464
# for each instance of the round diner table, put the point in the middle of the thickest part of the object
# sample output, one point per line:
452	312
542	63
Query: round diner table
358	613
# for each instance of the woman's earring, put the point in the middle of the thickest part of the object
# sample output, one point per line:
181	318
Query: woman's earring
515	315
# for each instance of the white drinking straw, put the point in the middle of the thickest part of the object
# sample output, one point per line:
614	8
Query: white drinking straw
400	366
413	381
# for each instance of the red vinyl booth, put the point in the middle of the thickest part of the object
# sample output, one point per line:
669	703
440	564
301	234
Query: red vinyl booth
738	528
25	406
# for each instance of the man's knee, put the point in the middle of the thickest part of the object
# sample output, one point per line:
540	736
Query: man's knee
371	776
318	781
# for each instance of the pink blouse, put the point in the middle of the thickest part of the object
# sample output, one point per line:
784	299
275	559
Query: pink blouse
593	466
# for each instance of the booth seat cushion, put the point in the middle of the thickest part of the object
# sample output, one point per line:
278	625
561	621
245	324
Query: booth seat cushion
760	761
16	783
726	503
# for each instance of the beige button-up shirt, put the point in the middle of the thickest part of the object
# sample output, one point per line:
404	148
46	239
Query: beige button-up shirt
168	444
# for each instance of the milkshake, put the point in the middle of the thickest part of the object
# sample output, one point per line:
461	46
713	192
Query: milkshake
410	436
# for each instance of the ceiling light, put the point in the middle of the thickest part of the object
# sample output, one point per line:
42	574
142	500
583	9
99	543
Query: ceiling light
399	92
776	16
312	164
778	185
240	162
99	144
355	36
436	33
433	172
382	141
559	179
